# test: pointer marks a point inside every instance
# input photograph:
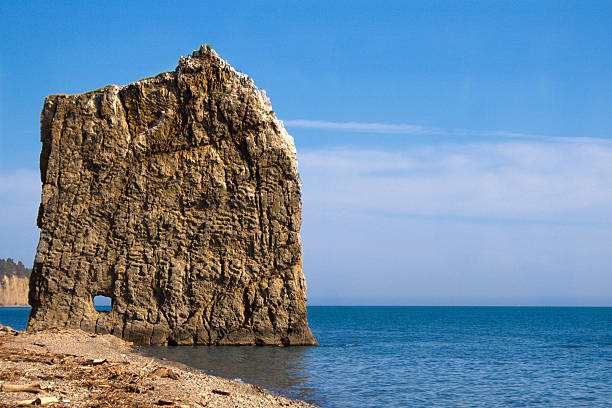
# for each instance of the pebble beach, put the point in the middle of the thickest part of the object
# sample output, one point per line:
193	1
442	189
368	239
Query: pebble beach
65	367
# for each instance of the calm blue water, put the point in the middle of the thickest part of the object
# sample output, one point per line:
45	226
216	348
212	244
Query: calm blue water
426	356
15	317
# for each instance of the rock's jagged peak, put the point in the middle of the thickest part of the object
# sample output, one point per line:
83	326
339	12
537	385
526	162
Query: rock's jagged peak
208	55
198	60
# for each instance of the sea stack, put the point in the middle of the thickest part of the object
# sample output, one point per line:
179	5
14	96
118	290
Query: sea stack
179	198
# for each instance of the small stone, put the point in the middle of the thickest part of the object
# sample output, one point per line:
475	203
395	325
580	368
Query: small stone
165	372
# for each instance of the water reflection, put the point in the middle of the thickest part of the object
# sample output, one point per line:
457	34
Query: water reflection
282	370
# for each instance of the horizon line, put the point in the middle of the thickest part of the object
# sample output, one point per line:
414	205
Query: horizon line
319	305
465	306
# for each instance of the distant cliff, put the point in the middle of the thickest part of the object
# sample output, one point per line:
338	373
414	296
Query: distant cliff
14	283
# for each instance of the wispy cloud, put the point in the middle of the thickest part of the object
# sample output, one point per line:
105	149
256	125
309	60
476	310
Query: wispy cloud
506	180
366	127
417	130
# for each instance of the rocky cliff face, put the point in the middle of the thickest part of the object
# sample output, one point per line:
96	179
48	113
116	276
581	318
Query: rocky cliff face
13	291
178	197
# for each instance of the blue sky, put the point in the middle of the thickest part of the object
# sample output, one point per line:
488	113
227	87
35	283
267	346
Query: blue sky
451	152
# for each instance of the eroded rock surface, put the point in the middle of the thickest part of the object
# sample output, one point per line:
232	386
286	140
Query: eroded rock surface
178	197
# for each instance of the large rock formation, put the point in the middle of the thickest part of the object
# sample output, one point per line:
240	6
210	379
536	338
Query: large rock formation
178	197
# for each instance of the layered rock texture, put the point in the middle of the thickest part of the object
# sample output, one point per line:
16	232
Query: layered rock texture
178	197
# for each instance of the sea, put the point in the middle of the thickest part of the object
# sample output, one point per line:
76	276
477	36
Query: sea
424	357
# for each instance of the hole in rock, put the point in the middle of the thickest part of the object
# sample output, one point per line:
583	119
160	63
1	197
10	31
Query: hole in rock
102	303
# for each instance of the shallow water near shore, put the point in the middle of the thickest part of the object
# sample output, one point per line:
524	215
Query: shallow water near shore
425	356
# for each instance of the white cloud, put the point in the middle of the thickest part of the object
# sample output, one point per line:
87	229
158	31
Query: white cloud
512	223
510	180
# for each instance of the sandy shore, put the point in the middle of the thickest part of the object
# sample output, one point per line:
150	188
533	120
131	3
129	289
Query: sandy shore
85	370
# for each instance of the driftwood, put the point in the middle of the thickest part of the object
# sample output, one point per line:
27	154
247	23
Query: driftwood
220	392
97	361
45	400
172	403
33	388
39	401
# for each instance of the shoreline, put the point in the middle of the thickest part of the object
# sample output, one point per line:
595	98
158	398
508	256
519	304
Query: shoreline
81	369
